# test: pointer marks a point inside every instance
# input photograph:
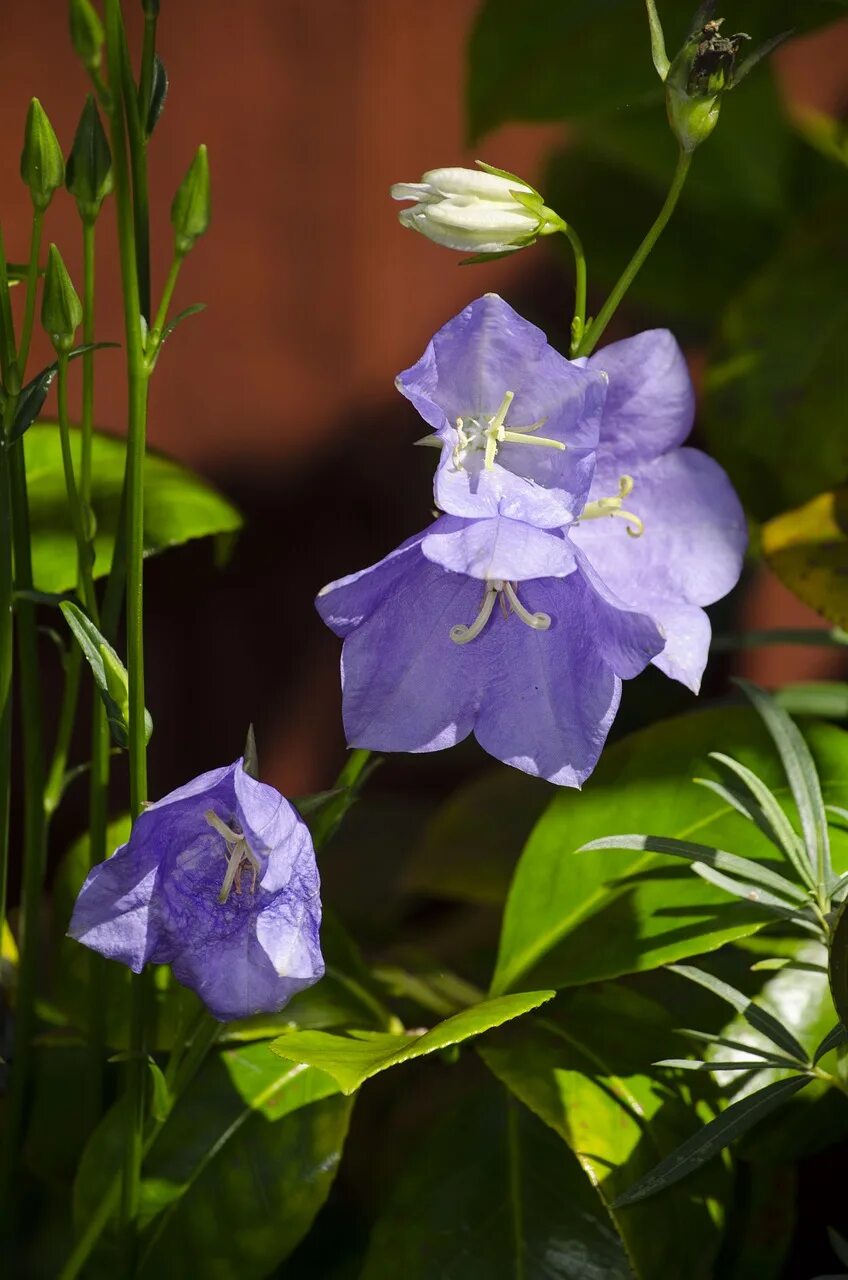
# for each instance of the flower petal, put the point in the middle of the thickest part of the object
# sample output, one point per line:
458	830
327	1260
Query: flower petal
650	405
112	913
497	548
695	533
687	644
551	697
453	180
347	602
627	639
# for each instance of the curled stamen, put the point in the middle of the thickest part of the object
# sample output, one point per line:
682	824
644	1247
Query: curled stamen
460	634
613	507
538	621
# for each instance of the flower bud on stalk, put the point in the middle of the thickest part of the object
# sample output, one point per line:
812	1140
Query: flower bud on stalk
88	175
488	212
42	163
191	209
86	33
61	309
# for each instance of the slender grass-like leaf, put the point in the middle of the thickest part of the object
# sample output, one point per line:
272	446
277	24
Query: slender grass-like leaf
754	1014
834	1039
737	1119
837	811
767	814
838	964
707	1038
758	896
753	871
700	1064
801	775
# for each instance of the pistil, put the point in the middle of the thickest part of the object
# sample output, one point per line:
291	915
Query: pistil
472	435
612	507
462	634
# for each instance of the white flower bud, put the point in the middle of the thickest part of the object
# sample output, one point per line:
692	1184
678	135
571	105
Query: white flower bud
474	211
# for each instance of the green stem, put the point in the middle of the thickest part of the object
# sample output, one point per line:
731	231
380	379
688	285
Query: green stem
137	138
88	244
596	329
148	58
31	288
132	242
164	305
85	581
8	358
55	786
578	324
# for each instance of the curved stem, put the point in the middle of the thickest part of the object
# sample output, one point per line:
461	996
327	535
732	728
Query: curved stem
578	324
596	329
164	305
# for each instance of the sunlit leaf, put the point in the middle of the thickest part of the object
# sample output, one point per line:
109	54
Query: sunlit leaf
808	550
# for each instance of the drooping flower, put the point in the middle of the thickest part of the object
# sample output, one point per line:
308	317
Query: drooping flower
517	423
475	211
219	881
691	524
488	626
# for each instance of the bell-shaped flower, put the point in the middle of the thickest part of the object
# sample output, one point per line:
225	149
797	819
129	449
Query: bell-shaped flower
475	211
488	626
517	424
219	881
663	527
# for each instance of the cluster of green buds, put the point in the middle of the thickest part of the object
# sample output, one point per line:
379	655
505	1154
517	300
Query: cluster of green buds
706	67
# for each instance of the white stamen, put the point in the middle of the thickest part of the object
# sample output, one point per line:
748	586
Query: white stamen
461	634
490	432
538	621
238	854
613	507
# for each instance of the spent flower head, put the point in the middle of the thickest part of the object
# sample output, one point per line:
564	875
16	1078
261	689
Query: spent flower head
218	880
481	211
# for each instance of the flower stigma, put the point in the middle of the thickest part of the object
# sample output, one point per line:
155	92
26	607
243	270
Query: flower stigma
510	603
613	507
238	854
487	432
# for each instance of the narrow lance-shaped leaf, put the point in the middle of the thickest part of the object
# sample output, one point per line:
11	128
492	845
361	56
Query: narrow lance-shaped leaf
759	1018
737	1119
705	1037
838	964
757	896
801	774
109	672
34	394
834	1039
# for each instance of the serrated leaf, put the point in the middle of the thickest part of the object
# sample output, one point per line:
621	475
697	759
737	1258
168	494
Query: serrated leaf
735	1120
354	1058
759	1018
178	505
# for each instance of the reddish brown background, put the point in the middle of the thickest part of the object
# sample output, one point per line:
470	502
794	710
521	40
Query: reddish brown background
282	391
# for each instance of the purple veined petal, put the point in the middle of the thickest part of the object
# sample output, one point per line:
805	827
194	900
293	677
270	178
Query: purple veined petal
694	535
650	404
269	822
551	699
498	548
214	779
406	685
112	913
627	639
688	633
347	602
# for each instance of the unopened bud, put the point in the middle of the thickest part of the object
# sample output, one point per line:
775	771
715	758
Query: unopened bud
191	209
88	175
42	163
86	33
481	211
61	309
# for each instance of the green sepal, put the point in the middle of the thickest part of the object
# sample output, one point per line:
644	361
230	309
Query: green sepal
505	173
86	33
42	162
61	309
110	674
88	174
191	209
250	755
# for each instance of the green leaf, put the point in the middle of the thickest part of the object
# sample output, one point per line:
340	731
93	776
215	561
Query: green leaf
178	506
352	1059
469	849
808	550
328	816
583	1072
760	1019
110	674
834	1039
802	775
159	86
34	394
161	1100
838	964
493	1194
767	814
774	414
575	919
735	1120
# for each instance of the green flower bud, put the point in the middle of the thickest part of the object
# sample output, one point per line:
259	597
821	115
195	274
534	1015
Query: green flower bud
151	8
88	175
42	163
61	309
86	33
191	209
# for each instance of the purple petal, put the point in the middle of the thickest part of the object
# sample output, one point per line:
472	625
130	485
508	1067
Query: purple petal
694	539
407	686
347	602
650	404
112	913
687	630
550	697
498	548
543	486
627	639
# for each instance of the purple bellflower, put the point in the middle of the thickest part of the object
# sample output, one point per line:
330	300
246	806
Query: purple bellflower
219	881
689	526
488	626
517	423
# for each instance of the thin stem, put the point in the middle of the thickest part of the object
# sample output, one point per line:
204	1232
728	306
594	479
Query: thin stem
31	288
55	785
596	329
138	161
148	59
167	295
85	581
133	241
578	324
88	246
8	358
